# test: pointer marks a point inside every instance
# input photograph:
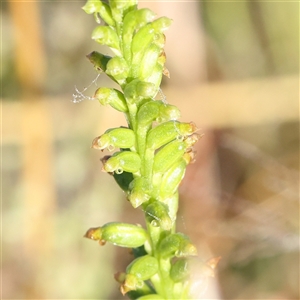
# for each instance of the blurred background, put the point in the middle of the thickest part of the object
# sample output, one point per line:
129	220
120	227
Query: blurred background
234	71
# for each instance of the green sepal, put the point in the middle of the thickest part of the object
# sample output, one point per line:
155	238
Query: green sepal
105	13
99	60
101	8
92	6
157	214
120	8
172	203
176	244
148	62
156	76
168	112
172	178
137	90
143	267
105	35
156	111
139	191
124	235
133	21
115	138
118	68
145	36
148	112
141	41
139	270
180	270
112	97
161	24
119	234
168	131
127	161
168	155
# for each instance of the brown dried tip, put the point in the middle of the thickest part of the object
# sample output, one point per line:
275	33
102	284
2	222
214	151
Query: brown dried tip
95	234
213	262
123	290
192	139
194	127
95	144
166	72
90	233
210	265
105	158
120	277
189	156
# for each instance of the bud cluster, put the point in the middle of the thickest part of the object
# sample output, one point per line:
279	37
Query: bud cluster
151	154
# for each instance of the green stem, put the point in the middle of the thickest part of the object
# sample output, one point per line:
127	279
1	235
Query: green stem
161	281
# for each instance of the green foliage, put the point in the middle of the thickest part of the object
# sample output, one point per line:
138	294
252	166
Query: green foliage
154	149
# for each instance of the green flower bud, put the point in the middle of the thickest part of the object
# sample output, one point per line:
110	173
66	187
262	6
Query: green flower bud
161	24
119	234
180	270
172	178
146	35
148	62
105	13
168	112
127	161
157	214
168	155
120	8
176	244
136	19
94	6
105	35
99	60
115	138
137	90
112	97
148	113
156	111
139	191
141	41
143	267
118	68
133	21
172	203
156	76
168	131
